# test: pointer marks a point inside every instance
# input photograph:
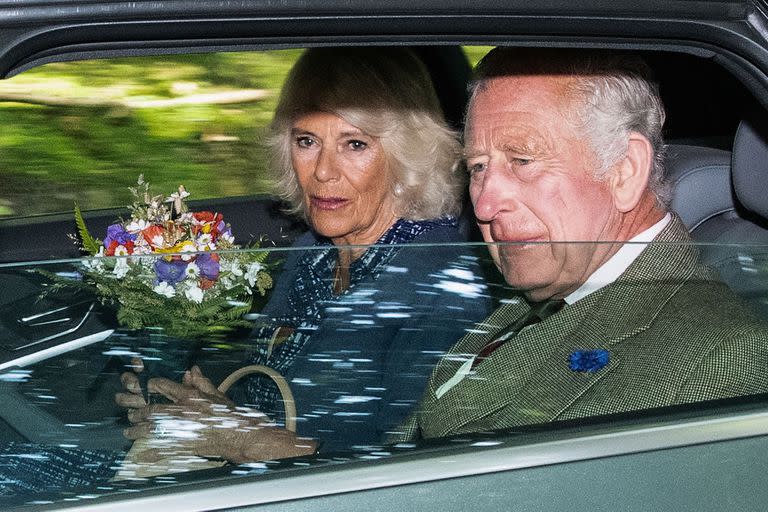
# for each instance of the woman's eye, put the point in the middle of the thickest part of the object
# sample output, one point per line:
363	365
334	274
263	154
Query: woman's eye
305	141
357	145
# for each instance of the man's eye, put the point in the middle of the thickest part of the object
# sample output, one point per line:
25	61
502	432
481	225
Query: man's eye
475	167
522	161
357	145
305	141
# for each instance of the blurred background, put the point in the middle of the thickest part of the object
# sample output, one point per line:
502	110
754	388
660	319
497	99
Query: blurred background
84	131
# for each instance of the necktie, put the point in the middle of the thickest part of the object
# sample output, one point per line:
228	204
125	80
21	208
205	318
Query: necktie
538	312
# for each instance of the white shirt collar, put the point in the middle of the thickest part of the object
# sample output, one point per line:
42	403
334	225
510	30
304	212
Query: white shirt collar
609	271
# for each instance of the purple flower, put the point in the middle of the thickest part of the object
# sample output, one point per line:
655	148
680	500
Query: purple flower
170	272
208	265
117	233
224	231
588	361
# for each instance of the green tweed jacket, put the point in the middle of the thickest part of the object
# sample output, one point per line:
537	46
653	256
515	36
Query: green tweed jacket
674	334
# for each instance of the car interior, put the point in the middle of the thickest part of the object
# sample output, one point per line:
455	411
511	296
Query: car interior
718	195
717	149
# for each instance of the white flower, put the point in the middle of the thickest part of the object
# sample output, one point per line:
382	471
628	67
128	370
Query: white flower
232	267
158	241
146	261
177	198
93	264
205	242
227	282
142	248
121	250
181	194
252	273
121	268
164	289
137	225
192	270
187	247
96	263
227	236
194	293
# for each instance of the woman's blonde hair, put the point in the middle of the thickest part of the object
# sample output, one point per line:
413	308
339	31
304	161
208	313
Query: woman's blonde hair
387	93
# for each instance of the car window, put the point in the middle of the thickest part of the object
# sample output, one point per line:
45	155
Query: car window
93	126
64	353
80	135
82	131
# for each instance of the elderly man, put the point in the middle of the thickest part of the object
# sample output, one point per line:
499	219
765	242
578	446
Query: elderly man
566	146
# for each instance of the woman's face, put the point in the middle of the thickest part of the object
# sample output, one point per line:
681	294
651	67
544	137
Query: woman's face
343	175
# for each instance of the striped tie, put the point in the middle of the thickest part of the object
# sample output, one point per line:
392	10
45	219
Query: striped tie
538	312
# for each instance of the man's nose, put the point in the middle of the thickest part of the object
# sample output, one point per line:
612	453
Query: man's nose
493	195
325	166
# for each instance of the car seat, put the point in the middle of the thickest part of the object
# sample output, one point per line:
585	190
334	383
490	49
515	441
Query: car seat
721	197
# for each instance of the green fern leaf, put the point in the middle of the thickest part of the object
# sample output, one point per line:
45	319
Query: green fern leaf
90	245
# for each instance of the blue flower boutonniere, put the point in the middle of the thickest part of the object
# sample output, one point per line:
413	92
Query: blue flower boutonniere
589	361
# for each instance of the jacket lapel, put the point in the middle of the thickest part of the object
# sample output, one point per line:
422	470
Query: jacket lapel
553	386
460	404
528	379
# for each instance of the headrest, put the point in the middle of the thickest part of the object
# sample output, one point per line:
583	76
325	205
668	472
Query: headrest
749	166
701	182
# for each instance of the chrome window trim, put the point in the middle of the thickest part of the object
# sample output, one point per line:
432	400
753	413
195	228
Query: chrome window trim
622	440
57	350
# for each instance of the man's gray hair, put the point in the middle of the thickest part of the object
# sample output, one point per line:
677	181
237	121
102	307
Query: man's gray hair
613	93
387	93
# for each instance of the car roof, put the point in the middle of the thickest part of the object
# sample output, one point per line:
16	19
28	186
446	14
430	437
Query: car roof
32	12
36	31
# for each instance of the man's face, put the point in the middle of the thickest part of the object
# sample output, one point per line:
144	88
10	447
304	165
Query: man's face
532	183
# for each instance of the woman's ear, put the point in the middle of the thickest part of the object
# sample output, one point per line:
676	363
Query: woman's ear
629	178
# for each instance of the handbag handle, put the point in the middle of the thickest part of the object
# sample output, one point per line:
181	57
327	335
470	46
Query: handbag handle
282	385
131	469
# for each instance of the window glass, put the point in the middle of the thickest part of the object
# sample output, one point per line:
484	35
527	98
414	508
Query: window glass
354	380
356	351
63	354
82	131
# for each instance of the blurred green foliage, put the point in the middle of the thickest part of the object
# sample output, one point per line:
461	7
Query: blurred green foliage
56	151
475	53
55	155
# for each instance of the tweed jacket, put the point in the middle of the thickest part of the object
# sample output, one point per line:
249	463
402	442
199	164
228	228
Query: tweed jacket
673	331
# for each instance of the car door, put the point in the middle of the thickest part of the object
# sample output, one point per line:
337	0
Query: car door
713	66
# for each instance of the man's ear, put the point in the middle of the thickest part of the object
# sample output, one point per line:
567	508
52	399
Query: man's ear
629	177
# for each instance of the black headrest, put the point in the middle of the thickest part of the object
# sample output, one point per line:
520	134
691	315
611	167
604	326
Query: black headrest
749	166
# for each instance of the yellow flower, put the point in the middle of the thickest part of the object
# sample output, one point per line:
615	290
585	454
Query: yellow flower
186	246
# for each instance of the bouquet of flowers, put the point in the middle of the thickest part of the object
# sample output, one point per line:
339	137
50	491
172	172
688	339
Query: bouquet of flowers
171	268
